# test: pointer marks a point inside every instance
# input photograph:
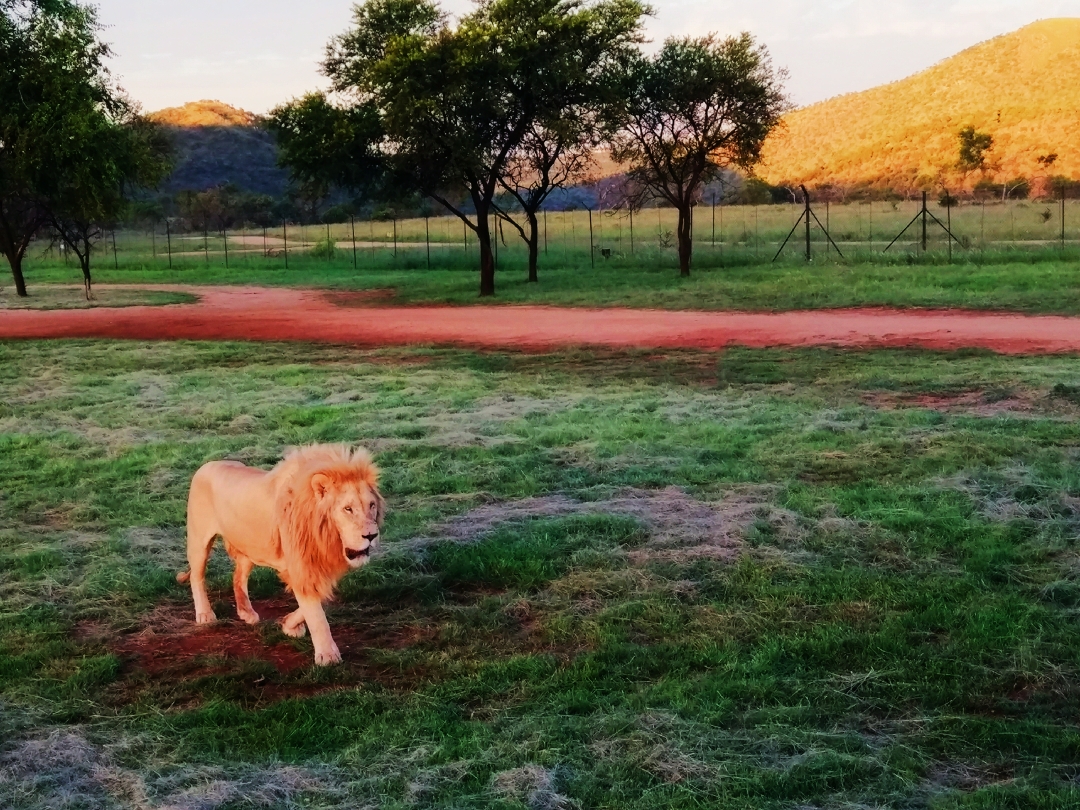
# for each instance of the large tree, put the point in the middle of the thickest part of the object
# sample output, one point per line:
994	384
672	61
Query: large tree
570	46
698	107
481	107
70	143
48	55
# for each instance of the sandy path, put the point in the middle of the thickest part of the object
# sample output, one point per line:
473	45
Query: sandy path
267	313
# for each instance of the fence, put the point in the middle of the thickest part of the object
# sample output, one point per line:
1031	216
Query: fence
722	234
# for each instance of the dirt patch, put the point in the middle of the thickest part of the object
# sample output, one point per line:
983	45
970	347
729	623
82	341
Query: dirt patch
263	313
680	526
360	298
974	403
167	654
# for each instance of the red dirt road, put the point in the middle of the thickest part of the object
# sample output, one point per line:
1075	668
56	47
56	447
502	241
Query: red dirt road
268	313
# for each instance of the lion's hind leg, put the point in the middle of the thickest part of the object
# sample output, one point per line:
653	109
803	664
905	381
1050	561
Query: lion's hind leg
294	624
200	540
240	587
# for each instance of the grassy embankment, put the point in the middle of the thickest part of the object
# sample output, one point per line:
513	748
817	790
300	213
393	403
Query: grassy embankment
863	591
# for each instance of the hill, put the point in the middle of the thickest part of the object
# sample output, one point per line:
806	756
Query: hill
218	144
1023	88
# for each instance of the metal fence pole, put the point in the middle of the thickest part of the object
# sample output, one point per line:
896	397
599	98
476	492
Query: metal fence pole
225	239
631	231
592	253
427	242
116	262
168	242
395	237
285	236
352	231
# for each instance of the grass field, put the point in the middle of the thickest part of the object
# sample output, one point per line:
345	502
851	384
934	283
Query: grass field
72	297
761	579
736	272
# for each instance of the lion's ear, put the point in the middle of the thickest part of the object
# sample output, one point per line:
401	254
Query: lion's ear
320	485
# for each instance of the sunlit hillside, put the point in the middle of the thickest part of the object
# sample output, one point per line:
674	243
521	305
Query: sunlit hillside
205	113
217	144
1023	88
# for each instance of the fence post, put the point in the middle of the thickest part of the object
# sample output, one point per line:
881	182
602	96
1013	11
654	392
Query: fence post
924	212
395	237
330	245
116	262
168	242
264	241
352	230
153	241
631	230
206	242
285	236
545	232
1063	215
592	253
948	220
225	239
427	241
806	194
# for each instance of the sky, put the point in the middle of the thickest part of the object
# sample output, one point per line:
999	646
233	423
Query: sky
255	55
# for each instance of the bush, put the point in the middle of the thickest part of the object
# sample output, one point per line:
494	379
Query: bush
325	248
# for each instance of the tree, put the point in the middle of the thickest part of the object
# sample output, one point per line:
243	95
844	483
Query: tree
974	147
48	53
573	47
119	151
700	106
323	145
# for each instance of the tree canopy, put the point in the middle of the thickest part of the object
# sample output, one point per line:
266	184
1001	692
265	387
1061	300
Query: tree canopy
698	107
72	145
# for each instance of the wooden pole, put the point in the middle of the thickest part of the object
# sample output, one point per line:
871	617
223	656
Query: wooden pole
631	231
168	242
545	232
285	238
116	262
352	231
427	242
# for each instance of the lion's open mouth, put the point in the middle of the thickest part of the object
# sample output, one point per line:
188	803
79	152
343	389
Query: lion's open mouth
352	554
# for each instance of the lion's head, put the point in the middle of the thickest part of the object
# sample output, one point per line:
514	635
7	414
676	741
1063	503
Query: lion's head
331	513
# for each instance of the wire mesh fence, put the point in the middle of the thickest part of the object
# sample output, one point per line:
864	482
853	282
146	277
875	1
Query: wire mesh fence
722	234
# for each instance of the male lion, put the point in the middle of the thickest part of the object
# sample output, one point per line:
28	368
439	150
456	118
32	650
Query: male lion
312	518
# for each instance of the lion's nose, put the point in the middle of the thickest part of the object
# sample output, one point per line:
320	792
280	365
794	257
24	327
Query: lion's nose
371	538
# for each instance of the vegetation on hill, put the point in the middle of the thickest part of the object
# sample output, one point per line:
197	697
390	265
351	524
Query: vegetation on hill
1022	88
219	145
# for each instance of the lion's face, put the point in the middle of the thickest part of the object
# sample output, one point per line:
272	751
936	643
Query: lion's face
356	509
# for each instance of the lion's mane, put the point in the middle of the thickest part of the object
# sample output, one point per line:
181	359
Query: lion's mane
310	541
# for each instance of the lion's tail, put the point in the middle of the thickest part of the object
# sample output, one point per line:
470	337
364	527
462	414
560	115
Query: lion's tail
183	577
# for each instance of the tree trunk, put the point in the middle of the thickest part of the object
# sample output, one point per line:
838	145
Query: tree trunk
685	240
534	245
84	263
487	261
17	274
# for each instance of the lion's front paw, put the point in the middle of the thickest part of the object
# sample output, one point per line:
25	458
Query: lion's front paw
328	656
205	618
249	616
294	630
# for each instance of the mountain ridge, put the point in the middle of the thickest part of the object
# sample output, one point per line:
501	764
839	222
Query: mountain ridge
1023	88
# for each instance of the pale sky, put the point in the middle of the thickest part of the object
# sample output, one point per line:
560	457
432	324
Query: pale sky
256	55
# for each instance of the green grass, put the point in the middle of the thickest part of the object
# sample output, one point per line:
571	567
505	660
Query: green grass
72	297
890	619
1036	283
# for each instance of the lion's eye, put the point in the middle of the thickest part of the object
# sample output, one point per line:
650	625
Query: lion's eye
348	509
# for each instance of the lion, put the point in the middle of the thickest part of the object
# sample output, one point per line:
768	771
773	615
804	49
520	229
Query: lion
313	518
